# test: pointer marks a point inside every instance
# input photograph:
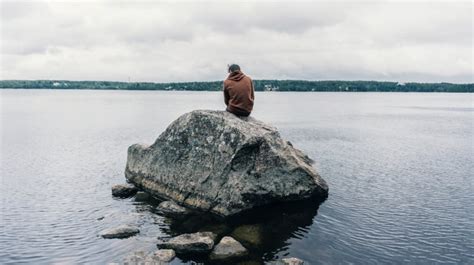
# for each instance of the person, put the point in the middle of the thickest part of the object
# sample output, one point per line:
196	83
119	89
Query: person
238	92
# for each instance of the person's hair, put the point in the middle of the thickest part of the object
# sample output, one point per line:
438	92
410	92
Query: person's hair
233	67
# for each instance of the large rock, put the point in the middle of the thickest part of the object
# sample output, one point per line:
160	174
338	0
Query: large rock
200	242
218	162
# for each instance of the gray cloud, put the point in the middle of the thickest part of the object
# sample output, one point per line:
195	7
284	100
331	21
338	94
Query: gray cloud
183	41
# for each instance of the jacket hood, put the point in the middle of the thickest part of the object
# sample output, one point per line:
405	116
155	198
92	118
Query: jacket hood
236	76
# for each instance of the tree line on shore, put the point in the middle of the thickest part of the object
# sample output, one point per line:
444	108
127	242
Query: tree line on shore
260	85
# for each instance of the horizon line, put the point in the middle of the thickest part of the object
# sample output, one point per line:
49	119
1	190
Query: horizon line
210	81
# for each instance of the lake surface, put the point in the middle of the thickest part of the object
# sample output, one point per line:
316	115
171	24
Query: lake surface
399	168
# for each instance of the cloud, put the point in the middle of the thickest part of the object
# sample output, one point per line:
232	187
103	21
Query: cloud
183	41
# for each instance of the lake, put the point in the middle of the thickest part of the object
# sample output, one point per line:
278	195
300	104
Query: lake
399	168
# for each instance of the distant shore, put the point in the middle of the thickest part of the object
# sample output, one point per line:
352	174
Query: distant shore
260	85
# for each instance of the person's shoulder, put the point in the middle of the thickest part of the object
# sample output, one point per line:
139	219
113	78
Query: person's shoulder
226	83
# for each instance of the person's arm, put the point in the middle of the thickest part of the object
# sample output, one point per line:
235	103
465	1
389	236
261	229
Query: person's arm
226	95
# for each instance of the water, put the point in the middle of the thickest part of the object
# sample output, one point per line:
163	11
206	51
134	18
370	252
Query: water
399	167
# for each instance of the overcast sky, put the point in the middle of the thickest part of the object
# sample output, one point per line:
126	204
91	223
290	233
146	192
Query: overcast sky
428	41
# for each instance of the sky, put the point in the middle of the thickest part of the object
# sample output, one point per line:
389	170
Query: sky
174	41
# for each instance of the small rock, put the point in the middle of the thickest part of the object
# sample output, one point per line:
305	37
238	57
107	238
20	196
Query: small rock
249	235
124	190
142	196
292	261
122	231
165	255
228	248
159	257
200	242
171	208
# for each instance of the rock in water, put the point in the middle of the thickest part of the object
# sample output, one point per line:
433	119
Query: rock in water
142	196
228	248
122	231
218	162
124	190
164	255
200	242
249	235
170	208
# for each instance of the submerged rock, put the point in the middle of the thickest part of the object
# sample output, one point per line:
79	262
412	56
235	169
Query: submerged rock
124	190
218	162
122	231
249	235
200	242
171	208
228	248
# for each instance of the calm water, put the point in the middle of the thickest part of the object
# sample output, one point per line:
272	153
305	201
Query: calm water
399	167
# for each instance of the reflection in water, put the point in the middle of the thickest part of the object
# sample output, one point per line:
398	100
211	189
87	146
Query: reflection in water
264	231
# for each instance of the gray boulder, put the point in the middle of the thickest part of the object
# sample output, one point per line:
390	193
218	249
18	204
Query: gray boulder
122	231
124	190
218	162
200	242
228	248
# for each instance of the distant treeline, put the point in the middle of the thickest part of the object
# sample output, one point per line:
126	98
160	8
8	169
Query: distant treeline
260	85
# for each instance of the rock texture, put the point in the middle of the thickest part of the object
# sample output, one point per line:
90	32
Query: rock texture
165	255
124	190
200	242
162	256
218	162
228	248
171	208
122	231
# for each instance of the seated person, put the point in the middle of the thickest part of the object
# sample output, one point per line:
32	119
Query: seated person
238	92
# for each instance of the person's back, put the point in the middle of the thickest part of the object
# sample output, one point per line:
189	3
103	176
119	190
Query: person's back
238	92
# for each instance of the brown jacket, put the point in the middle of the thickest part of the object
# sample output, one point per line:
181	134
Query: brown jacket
239	93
